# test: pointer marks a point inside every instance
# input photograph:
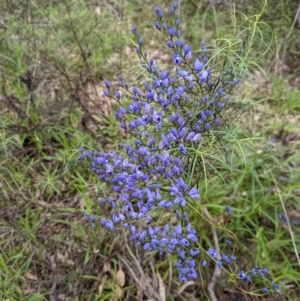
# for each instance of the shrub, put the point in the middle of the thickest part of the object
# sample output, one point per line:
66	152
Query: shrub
176	119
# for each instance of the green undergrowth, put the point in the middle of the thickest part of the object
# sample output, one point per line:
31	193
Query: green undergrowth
53	58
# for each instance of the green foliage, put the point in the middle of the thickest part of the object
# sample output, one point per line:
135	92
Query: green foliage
53	56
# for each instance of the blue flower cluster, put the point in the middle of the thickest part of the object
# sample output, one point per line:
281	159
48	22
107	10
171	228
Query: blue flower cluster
260	273
186	102
256	272
221	260
148	184
285	219
174	113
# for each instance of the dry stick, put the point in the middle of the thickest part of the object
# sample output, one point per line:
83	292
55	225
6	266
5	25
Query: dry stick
184	286
133	274
288	222
217	271
53	289
137	279
170	274
290	31
54	283
297	16
138	266
154	278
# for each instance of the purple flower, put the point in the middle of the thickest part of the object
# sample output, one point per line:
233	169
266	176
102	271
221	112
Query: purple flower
275	286
265	290
198	66
178	43
207	127
187	49
204	76
190	136
150	95
159	12
147	246
177	59
170	44
182	278
220	105
180	91
133	29
184	242
187	52
283	218
197	137
177	230
229	210
118	95
194	194
110	225
202	115
172	31
182	149
157	117
219	264
194	252
212	253
242	275
183	73
107	83
118	217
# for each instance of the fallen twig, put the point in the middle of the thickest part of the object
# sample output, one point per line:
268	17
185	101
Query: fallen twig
217	272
